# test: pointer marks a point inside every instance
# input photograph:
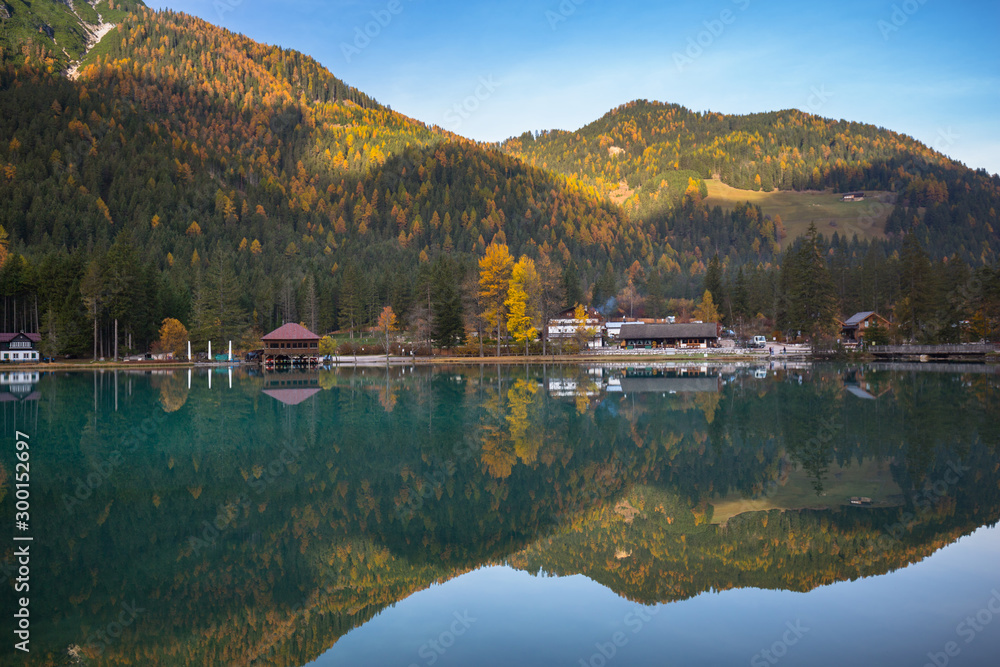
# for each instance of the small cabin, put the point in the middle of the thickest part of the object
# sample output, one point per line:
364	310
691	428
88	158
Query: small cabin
854	328
854	196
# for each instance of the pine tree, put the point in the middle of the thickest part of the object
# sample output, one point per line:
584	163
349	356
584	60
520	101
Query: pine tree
219	315
808	290
713	279
447	328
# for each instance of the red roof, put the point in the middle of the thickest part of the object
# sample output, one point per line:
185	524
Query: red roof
291	332
7	337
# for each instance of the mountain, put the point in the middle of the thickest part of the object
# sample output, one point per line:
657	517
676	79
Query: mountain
643	153
174	153
55	35
183	142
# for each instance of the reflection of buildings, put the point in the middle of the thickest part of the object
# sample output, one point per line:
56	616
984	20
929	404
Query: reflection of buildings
670	380
291	388
857	384
17	390
663	380
577	385
18	386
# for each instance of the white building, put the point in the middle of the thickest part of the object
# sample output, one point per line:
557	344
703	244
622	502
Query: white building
19	347
563	327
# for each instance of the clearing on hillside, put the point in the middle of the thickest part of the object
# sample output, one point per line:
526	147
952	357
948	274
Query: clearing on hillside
798	209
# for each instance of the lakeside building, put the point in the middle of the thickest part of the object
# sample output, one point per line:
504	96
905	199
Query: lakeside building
692	336
291	344
19	347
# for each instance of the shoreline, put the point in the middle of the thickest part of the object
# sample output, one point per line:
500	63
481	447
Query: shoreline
378	360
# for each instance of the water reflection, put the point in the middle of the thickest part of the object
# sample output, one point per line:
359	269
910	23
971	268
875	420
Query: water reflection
257	521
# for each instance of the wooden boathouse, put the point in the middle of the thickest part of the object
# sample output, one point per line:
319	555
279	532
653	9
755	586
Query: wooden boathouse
291	345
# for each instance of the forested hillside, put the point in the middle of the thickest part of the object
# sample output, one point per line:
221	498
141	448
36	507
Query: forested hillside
184	149
55	34
637	149
191	173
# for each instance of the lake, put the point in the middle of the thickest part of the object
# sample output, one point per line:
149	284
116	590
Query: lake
587	515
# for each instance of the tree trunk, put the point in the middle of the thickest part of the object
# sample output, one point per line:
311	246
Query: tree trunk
116	340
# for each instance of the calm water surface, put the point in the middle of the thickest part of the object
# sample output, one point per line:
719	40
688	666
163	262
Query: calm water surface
569	515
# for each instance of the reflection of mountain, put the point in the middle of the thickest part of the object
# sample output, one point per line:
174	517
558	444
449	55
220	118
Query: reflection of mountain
255	532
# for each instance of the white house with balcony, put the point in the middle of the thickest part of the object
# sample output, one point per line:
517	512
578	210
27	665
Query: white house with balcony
19	347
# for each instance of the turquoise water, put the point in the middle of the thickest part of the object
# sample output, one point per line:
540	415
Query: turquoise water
567	515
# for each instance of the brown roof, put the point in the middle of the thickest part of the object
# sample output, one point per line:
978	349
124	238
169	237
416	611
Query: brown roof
639	331
7	337
291	332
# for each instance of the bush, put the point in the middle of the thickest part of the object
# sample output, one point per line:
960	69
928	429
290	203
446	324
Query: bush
347	349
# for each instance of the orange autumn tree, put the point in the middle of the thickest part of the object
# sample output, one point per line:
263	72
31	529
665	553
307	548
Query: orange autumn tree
495	269
522	302
386	325
173	337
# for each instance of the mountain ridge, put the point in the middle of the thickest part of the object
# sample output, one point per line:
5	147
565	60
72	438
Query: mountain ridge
192	149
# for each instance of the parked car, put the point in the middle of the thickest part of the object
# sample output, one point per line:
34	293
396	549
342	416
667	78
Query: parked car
759	341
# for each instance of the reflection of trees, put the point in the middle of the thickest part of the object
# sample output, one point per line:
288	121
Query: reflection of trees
497	454
173	392
522	398
322	548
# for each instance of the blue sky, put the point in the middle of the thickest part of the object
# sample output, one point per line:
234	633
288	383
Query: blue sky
490	70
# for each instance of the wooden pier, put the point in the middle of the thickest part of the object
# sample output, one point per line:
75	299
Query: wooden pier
933	352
